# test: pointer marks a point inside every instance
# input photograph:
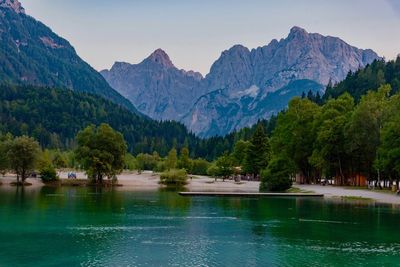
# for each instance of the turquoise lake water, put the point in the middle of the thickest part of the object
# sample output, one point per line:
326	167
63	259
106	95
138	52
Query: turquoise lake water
89	227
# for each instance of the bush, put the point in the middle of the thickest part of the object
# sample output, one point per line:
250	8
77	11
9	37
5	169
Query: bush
212	170
200	167
277	176
160	167
174	177
48	174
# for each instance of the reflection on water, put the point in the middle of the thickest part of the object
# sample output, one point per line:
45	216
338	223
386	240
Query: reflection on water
112	227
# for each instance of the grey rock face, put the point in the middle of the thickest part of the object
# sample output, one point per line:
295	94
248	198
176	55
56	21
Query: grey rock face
14	5
155	86
238	90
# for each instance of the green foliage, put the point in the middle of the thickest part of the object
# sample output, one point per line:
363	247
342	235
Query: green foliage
172	159
146	162
174	178
59	160
101	152
22	153
295	135
212	170
54	117
363	130
26	57
277	177
184	160
224	166
200	167
130	162
330	145
48	174
388	159
369	78
258	152
4	160
240	151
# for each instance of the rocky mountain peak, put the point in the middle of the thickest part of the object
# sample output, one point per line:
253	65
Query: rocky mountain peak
297	32
14	5
160	57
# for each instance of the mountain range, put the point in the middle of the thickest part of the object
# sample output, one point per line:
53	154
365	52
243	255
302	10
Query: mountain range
32	54
242	87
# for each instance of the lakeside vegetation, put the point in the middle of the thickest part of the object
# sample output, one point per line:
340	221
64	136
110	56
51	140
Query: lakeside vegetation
346	138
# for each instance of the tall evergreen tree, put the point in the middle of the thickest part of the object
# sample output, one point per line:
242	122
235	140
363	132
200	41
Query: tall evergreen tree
258	152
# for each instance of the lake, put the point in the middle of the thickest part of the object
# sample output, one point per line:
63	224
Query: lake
115	227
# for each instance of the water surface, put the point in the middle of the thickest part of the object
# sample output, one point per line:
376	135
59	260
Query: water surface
93	227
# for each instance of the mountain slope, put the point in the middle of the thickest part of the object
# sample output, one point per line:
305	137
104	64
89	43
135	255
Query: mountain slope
239	90
155	86
30	53
54	116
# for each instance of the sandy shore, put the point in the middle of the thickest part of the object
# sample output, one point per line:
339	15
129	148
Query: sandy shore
149	181
335	191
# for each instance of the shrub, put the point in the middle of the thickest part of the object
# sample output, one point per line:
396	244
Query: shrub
212	170
277	176
174	177
160	167
48	174
200	167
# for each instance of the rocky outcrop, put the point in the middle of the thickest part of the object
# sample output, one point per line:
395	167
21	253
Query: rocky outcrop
241	84
156	87
15	5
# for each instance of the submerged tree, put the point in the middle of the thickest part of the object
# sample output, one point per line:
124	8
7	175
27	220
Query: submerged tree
101	152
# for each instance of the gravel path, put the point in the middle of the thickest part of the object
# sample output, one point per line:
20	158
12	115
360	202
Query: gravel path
333	191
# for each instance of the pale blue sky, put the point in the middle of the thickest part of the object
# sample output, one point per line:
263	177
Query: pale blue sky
195	32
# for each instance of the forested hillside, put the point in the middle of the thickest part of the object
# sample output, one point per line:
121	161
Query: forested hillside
54	116
371	77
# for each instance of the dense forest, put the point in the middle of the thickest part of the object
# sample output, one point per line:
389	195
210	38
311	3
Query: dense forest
341	139
32	54
371	77
54	116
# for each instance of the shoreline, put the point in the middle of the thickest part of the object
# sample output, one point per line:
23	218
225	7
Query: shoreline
148	181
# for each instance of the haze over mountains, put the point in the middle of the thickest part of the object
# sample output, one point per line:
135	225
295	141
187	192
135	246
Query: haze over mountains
243	85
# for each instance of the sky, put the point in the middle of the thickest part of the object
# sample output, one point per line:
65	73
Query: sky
195	32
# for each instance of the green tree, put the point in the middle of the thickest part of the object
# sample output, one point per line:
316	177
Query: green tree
101	152
48	174
22	154
277	176
258	152
4	160
294	135
172	159
184	160
389	150
59	161
363	131
330	147
200	167
224	166
239	152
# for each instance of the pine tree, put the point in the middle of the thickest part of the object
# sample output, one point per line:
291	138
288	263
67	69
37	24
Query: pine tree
258	153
